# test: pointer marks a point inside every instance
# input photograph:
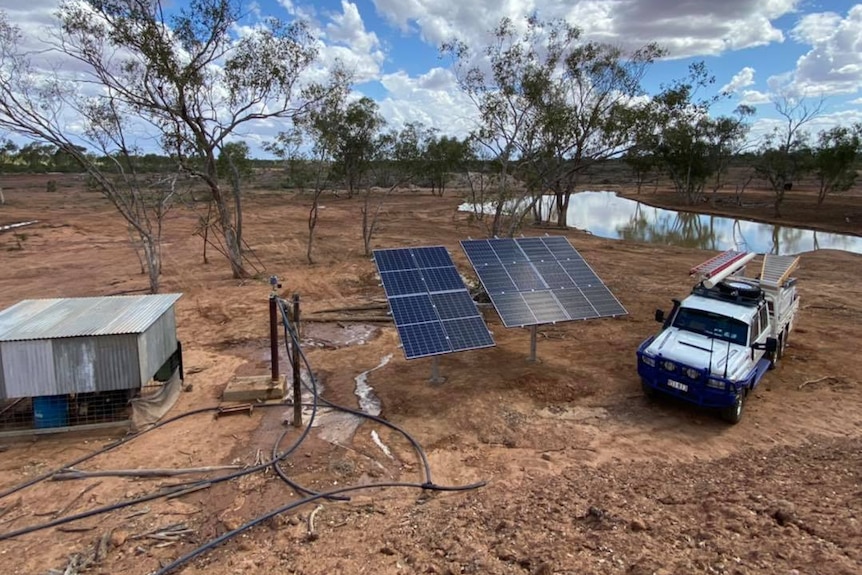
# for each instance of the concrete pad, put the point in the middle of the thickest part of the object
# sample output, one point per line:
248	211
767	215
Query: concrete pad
254	388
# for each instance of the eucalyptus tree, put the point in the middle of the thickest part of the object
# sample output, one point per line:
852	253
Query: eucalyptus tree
445	155
835	156
494	81
354	133
688	143
37	106
589	107
785	154
188	71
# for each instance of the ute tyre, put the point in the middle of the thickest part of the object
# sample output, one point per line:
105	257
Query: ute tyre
733	414
741	288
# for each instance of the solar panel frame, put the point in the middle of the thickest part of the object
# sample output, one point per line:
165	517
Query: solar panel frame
432	308
551	280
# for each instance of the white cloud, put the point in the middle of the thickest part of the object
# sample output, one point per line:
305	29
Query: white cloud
696	27
345	39
432	98
754	98
834	63
741	79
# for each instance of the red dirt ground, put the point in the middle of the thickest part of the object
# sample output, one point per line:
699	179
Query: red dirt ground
584	475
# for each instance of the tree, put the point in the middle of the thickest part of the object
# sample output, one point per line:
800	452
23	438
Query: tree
321	128
505	110
193	78
35	105
835	159
587	111
689	144
354	140
785	154
445	155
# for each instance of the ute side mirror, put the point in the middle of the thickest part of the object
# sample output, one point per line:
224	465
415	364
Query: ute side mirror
659	315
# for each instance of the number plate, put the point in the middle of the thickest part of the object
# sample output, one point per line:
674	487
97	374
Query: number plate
677	385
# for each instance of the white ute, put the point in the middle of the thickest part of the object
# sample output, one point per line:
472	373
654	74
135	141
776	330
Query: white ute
717	343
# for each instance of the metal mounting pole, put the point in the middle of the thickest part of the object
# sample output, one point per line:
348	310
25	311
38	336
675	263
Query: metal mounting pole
297	372
532	343
435	371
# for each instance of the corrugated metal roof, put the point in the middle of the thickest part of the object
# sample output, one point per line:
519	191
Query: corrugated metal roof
86	316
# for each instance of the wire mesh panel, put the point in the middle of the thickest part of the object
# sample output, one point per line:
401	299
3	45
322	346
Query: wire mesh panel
432	309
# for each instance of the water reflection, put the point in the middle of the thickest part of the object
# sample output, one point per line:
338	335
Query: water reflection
609	216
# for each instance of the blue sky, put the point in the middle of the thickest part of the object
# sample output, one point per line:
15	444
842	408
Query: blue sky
753	47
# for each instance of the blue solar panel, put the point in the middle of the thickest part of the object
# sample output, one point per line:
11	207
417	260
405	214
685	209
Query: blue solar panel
480	252
402	282
389	260
415	308
539	280
432	309
434	257
442	279
423	339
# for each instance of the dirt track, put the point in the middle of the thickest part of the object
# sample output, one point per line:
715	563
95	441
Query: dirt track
583	474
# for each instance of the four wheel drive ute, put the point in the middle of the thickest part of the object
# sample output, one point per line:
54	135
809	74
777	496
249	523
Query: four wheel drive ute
716	344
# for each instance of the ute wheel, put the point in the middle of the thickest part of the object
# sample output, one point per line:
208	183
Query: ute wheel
775	356
649	392
733	414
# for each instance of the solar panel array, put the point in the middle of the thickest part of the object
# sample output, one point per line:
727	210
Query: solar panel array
539	280
433	311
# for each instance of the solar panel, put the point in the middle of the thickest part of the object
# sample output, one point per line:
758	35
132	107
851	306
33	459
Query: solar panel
539	280
433	311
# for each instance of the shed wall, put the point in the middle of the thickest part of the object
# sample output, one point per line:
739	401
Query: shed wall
156	344
28	368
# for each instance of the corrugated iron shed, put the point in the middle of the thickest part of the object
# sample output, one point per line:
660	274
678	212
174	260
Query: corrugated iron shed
80	345
75	317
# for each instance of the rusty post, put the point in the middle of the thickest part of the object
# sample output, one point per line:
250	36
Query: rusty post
297	372
273	335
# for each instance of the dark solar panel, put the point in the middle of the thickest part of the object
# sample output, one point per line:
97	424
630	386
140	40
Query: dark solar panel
442	279
539	280
432	309
467	333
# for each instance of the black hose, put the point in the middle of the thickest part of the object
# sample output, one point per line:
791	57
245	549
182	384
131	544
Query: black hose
294	504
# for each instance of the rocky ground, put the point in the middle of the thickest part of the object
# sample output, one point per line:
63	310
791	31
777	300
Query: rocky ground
581	474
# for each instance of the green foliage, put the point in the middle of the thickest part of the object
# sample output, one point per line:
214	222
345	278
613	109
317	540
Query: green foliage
835	159
685	141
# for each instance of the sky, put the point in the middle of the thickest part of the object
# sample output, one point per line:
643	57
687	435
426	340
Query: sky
754	48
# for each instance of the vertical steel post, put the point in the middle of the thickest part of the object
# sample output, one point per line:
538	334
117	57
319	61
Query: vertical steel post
273	335
532	343
297	372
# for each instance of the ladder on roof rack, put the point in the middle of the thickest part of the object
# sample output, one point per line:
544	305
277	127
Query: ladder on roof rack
776	269
728	261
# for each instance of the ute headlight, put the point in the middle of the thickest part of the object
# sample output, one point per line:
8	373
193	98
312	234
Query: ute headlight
715	383
650	361
668	365
691	373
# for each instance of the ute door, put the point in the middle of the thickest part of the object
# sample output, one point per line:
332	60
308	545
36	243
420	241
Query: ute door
760	331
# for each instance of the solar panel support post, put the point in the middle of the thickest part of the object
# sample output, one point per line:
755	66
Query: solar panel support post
297	375
436	378
532	357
